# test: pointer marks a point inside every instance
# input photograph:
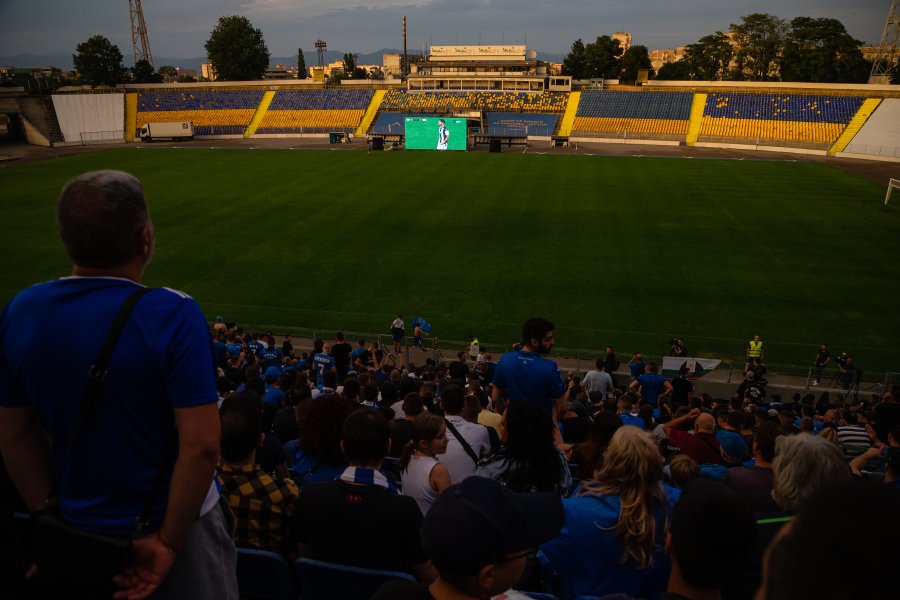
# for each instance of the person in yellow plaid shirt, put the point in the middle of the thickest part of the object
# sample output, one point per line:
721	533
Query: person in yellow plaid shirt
263	505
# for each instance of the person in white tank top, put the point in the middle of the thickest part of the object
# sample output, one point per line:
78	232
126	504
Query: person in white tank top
422	477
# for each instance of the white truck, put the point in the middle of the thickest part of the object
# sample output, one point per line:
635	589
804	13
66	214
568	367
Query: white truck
179	130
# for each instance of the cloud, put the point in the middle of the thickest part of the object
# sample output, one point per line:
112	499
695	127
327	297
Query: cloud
180	27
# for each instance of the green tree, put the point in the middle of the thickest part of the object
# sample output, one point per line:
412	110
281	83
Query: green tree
603	58
168	72
633	60
143	72
237	50
99	62
574	62
679	70
301	64
186	78
821	51
709	59
349	63
759	39
351	71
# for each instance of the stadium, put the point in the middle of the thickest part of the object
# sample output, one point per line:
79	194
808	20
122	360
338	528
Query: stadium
630	216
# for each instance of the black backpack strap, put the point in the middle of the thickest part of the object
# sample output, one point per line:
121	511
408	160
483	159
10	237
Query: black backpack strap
462	441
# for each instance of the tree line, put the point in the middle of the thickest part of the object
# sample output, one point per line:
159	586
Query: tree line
235	48
761	47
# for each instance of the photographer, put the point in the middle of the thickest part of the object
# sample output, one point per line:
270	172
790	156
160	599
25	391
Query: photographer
849	372
678	348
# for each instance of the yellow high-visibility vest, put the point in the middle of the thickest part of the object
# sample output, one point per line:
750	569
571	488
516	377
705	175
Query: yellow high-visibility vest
755	349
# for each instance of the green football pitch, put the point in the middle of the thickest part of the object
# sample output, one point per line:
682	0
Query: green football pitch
630	251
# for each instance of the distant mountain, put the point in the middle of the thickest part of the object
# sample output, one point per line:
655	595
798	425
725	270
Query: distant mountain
63	60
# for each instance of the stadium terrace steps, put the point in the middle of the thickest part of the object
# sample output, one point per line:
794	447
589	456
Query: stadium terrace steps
371	112
696	121
798	118
859	119
623	113
260	113
315	111
213	112
568	120
131	108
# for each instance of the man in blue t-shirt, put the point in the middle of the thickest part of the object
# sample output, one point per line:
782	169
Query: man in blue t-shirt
159	390
526	376
271	355
322	362
651	386
359	357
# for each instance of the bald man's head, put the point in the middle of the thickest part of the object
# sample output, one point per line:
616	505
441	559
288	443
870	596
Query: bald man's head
705	423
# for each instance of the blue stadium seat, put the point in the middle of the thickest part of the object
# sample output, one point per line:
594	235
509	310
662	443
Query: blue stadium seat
321	100
635	105
264	575
321	580
783	107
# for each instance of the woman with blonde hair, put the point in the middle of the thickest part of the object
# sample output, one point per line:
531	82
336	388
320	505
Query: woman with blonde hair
615	528
422	476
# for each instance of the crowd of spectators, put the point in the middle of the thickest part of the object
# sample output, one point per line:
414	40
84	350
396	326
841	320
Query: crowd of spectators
618	454
345	455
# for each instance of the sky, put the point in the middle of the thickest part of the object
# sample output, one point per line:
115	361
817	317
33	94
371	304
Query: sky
179	28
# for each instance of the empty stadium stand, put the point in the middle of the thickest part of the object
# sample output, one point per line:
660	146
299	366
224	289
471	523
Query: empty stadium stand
315	111
633	114
800	119
213	112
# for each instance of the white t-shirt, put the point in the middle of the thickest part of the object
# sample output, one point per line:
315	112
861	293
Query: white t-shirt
457	460
416	484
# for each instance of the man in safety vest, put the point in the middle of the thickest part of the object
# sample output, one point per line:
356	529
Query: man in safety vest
754	350
474	348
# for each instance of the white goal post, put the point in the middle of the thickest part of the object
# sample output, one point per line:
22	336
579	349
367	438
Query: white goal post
893	184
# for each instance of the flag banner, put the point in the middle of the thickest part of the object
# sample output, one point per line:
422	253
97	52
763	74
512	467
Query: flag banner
697	367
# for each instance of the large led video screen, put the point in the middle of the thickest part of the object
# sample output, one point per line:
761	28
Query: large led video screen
435	133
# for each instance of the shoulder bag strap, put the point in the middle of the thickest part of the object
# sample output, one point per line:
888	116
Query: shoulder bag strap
97	373
87	412
462	441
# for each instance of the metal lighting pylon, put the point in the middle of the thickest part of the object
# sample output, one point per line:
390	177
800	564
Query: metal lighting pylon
140	43
885	64
320	52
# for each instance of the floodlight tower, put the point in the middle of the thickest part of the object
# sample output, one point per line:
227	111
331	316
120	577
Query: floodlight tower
140	43
884	66
320	51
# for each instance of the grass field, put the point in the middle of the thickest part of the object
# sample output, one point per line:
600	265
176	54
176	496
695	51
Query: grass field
623	250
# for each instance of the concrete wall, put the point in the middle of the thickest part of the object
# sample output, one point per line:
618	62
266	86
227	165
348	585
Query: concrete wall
90	117
880	136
